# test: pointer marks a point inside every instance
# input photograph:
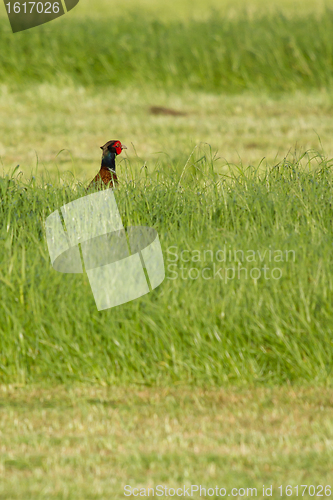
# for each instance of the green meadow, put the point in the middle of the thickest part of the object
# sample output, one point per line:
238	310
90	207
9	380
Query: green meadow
217	54
221	376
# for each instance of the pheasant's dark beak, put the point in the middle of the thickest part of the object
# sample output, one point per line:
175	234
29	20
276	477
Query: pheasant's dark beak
123	146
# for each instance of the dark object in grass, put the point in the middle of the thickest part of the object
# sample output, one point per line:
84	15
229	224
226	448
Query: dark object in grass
107	175
160	110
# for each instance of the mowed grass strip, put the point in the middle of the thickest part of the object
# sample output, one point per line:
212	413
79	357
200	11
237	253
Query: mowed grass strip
61	128
247	295
82	442
272	52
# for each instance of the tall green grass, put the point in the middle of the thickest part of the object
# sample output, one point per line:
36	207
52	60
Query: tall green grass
203	331
275	53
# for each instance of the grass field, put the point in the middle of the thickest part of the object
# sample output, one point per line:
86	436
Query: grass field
223	374
202	327
252	86
88	443
42	120
270	52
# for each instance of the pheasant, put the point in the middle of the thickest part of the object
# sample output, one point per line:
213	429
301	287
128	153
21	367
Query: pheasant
107	175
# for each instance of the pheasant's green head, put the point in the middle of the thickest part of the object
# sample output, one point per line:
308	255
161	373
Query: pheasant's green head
110	150
115	147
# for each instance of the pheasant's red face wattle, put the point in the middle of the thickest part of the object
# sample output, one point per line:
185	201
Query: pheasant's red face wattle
118	147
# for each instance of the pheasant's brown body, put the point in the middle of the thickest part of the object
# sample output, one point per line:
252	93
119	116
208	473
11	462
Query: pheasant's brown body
107	176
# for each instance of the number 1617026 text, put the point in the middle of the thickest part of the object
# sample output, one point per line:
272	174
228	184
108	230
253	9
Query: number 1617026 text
30	7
